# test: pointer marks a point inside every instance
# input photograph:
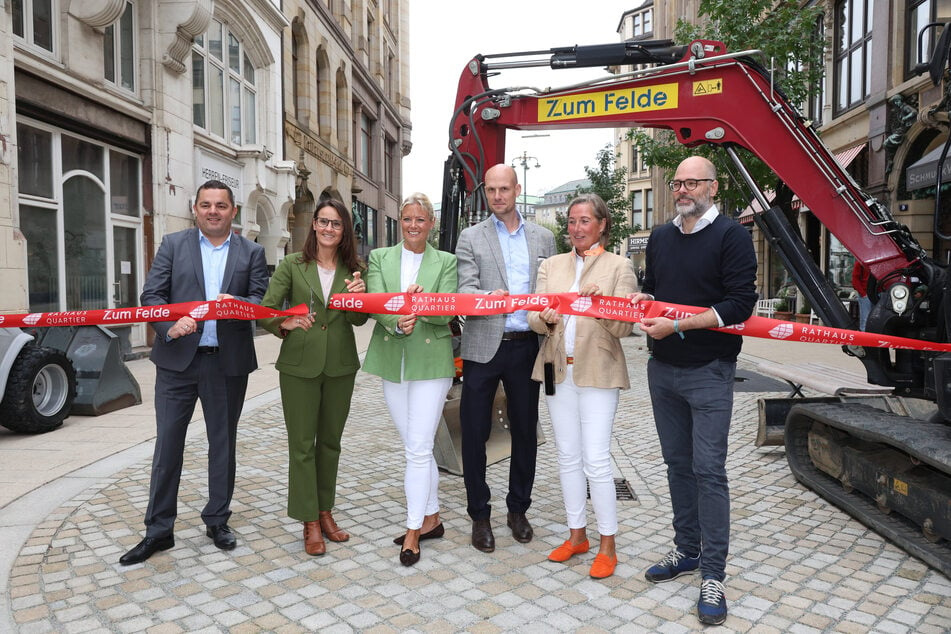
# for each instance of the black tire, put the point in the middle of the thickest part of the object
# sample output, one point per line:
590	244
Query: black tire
39	392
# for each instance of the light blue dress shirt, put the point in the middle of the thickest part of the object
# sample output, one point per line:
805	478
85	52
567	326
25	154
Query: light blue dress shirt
515	253
213	261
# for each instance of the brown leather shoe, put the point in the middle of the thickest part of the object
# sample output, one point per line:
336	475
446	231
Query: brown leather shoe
313	541
482	537
330	528
521	529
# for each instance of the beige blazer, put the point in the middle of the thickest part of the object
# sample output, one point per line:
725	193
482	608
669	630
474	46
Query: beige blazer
598	357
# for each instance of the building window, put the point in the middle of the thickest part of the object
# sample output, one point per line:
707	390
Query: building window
817	92
223	86
118	50
390	164
649	210
366	135
920	13
637	208
80	210
642	23
853	53
392	232
364	226
33	22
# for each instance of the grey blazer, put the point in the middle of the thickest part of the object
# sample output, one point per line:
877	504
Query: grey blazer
176	276
482	270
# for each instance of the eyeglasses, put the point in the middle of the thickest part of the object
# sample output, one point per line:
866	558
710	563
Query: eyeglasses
689	184
323	223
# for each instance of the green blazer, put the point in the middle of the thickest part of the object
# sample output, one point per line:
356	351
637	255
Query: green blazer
329	346
426	353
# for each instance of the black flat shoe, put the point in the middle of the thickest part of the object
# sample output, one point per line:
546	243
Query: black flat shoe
146	548
408	557
438	531
222	536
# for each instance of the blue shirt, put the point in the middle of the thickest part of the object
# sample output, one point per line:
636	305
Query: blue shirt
213	261
515	253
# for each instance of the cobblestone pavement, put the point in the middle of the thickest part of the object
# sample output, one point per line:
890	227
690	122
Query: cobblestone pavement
796	565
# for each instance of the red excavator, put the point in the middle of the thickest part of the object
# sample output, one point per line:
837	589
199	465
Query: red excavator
892	471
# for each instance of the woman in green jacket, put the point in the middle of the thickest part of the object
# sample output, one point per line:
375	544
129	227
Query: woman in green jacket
413	356
318	364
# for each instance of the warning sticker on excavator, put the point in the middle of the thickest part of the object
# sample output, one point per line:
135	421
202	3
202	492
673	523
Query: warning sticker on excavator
605	103
707	87
900	486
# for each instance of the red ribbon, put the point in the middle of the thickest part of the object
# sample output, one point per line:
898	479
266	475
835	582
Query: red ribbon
434	304
200	311
618	308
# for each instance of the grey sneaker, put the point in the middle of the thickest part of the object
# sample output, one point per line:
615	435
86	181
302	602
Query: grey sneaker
674	564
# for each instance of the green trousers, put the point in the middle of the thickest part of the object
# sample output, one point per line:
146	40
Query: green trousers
315	412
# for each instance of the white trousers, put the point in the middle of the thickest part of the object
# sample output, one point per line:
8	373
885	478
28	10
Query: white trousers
416	407
583	420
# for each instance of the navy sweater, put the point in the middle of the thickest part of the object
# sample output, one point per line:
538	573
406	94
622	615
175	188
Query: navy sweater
714	267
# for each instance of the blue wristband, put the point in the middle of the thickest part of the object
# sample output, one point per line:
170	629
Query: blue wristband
677	328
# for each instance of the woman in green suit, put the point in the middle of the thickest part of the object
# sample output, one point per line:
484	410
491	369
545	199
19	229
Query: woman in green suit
413	356
318	365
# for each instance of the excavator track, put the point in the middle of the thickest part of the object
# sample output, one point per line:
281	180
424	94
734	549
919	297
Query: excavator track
890	472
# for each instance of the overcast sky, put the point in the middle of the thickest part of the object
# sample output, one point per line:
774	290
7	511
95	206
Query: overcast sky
446	34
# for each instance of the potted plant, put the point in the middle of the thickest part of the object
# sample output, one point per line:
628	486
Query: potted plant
805	311
781	310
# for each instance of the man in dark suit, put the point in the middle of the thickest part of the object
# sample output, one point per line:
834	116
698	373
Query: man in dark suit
207	360
500	256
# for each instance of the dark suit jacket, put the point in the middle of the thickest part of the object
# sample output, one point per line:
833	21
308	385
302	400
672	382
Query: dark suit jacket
176	276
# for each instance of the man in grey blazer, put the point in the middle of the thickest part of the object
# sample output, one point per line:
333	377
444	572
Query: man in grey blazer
500	256
207	360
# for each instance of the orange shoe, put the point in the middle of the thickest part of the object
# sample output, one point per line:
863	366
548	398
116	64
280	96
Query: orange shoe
567	550
603	566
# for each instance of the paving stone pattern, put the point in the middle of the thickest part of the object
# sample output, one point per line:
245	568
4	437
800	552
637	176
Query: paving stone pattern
796	564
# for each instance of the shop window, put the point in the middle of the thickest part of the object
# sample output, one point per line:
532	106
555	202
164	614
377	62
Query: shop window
118	50
34	22
224	94
79	206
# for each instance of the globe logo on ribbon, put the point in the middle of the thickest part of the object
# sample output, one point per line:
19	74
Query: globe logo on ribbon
782	331
394	303
582	304
32	318
198	311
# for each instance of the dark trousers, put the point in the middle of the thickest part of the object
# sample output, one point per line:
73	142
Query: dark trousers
692	410
512	365
176	394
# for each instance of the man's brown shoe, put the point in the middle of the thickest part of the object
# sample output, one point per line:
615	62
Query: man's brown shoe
313	541
482	537
521	529
329	527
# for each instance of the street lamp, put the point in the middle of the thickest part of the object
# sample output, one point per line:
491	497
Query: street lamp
523	160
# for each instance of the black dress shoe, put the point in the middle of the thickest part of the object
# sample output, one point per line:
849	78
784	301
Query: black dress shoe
222	536
521	529
437	531
146	548
482	537
408	557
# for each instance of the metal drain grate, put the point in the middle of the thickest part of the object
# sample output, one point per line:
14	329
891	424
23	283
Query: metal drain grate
622	489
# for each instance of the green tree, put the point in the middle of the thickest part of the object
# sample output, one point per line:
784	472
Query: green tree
607	181
785	32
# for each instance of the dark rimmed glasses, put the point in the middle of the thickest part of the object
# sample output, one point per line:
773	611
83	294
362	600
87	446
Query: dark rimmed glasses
689	184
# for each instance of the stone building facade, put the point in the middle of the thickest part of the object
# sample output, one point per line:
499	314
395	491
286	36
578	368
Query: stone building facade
112	112
346	90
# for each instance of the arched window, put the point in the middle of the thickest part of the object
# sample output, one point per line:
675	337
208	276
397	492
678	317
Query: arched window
224	95
300	96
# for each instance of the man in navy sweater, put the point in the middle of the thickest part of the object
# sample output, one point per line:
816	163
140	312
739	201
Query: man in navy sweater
701	258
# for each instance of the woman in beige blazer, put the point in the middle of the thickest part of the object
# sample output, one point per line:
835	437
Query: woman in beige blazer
589	371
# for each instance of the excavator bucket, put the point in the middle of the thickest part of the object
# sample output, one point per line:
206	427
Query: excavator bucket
103	382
